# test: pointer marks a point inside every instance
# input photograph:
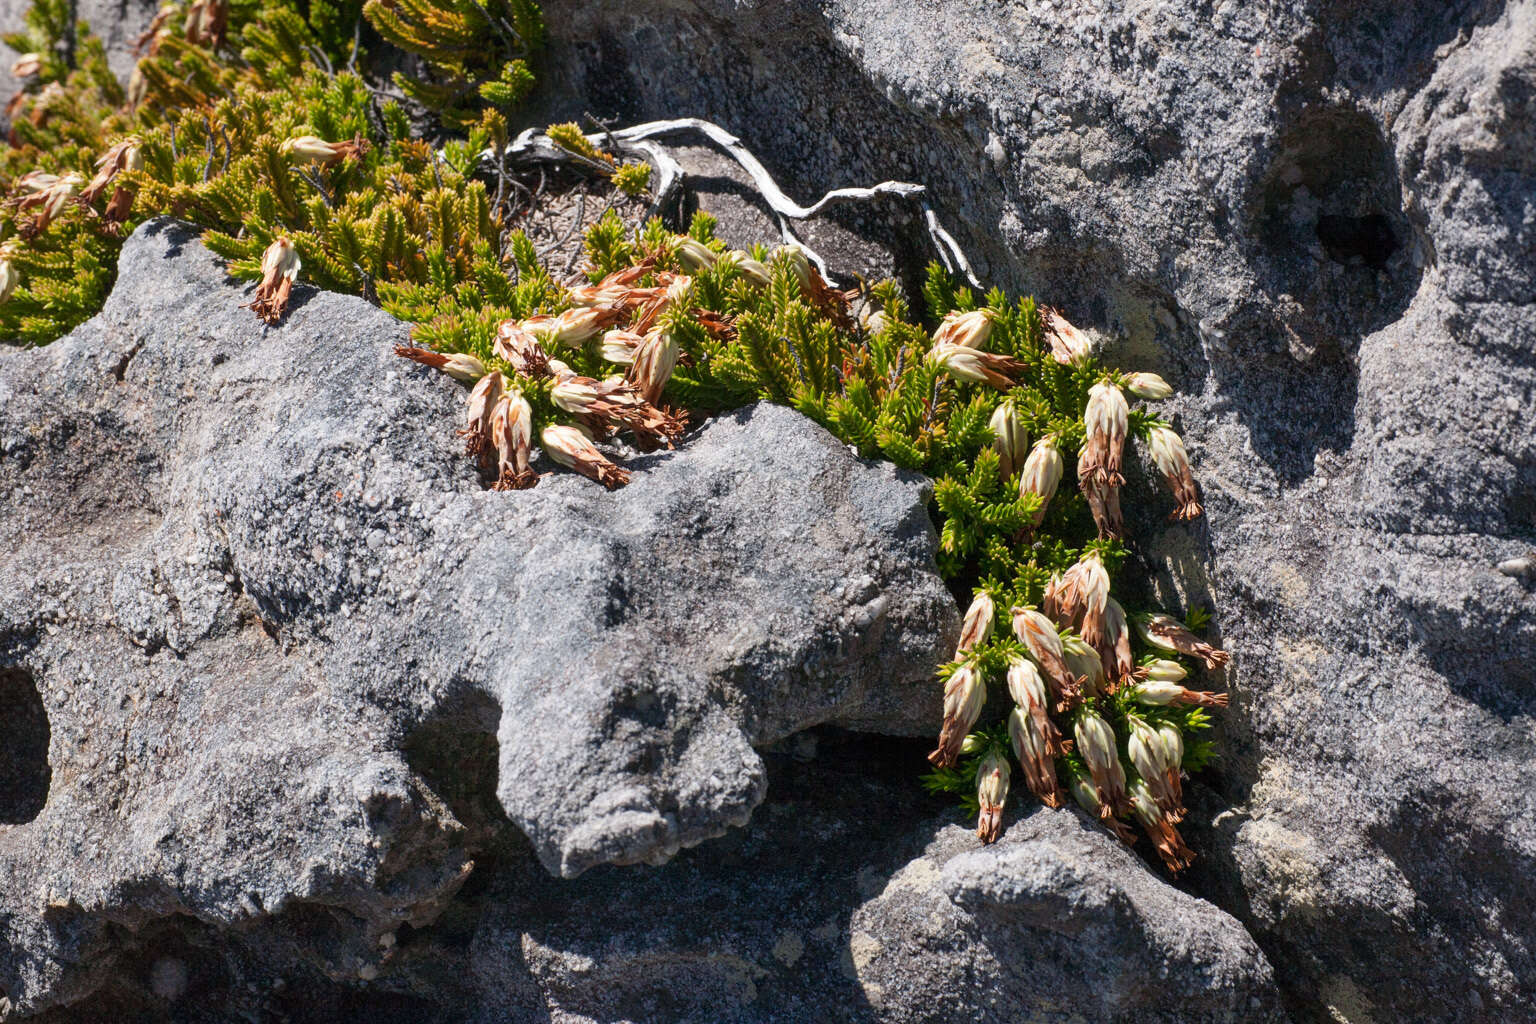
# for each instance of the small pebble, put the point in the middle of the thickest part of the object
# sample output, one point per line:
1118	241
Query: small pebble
1523	567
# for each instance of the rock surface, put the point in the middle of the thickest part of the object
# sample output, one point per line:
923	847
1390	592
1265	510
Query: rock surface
244	572
866	905
301	723
850	897
1315	217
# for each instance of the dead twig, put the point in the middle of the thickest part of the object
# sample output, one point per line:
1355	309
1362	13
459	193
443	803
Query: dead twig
535	147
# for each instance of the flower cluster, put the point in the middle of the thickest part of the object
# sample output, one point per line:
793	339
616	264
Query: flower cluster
628	318
1074	660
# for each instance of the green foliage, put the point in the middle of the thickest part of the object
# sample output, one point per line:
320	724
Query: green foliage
473	51
633	179
399	222
51	34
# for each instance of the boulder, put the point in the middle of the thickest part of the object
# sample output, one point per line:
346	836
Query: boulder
247	578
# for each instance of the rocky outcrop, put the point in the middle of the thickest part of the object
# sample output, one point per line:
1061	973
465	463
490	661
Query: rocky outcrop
246	575
301	722
1314	217
866	905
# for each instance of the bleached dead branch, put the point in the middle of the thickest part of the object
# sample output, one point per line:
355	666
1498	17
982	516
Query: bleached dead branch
635	142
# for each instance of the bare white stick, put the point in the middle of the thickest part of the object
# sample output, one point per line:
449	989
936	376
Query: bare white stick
534	146
950	253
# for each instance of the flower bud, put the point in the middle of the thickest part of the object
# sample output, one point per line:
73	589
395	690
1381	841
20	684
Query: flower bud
462	366
964	694
1164	670
206	21
1039	635
1116	649
655	359
1035	743
1069	345
1156	692
1084	792
1146	750
1096	745
308	148
1084	662
1105	420
750	269
1148	385
26	65
9	277
1159	694
991	792
1093	588
478	408
1009	438
281	259
138	87
1169	634
1042	474
619	346
968	330
575	394
973	744
124	156
1024	683
968	364
977	626
1172	462
512	434
1144	804
315	150
799	264
693	254
1155	822
575	327
571	447
279	269
1173	746
519	347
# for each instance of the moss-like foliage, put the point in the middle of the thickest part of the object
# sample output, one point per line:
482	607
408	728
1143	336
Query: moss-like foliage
267	127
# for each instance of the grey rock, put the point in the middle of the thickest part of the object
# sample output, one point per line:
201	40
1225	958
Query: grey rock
852	239
864	905
225	666
1055	919
1314	218
851	896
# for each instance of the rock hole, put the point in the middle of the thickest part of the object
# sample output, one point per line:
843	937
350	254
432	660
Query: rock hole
1349	240
456	753
1340	249
24	733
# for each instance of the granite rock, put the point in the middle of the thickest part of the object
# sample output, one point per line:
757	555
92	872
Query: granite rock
1314	217
245	570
